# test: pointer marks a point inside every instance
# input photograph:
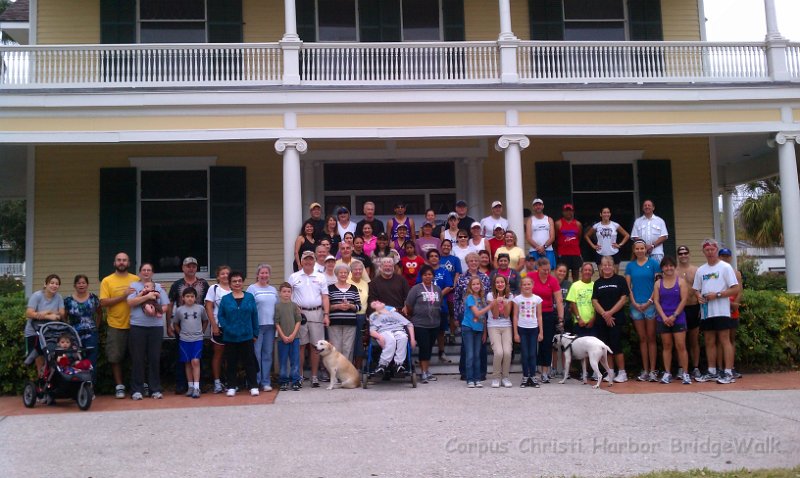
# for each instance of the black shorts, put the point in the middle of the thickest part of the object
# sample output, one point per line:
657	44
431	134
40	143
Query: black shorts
616	257
611	336
692	316
665	329
718	323
425	338
573	263
217	339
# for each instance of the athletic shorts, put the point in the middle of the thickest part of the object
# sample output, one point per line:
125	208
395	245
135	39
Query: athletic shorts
573	263
444	321
311	333
616	257
649	313
612	336
718	323
217	339
675	328
551	256
189	351
692	316
116	344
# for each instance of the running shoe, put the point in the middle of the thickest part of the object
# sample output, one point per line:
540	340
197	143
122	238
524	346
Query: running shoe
642	376
687	379
496	383
666	378
119	391
726	378
621	377
136	396
708	377
506	383
653	377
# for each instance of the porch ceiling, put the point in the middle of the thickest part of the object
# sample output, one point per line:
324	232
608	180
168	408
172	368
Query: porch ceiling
12	171
745	157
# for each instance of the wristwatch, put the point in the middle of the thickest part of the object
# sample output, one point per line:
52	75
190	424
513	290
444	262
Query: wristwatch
719	294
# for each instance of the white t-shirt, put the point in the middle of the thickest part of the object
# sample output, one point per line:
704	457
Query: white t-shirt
606	235
462	255
215	295
527	311
498	321
351	228
713	279
540	230
488	224
649	230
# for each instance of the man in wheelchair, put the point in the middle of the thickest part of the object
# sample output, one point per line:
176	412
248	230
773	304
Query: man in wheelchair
392	331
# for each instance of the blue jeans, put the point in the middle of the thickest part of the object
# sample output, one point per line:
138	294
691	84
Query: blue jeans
289	353
472	346
528	341
91	340
263	349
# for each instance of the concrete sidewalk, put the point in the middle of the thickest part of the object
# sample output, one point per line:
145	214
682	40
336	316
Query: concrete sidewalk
440	429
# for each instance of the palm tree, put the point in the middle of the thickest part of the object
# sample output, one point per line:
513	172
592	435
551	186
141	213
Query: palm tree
760	214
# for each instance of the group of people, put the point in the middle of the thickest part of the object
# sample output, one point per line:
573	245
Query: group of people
427	283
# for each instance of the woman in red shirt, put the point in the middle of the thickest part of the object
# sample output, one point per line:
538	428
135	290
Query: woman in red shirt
547	287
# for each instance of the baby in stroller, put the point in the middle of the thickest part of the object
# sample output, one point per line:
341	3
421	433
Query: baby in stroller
68	358
389	328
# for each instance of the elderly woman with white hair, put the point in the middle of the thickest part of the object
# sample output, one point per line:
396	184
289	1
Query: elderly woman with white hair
266	297
345	301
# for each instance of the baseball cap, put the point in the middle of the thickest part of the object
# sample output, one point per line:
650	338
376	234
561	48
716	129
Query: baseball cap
383	236
538	201
403	226
498	226
475	224
306	254
452	214
725	252
313	205
342	210
427	224
496	203
330	258
190	260
682	249
567	206
461	203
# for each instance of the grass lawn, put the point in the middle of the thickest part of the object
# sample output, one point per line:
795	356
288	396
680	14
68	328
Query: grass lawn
743	473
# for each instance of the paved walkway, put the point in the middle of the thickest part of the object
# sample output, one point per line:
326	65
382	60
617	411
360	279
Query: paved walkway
440	429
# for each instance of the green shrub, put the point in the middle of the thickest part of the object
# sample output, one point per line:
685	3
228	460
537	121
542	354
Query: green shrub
768	336
13	374
10	286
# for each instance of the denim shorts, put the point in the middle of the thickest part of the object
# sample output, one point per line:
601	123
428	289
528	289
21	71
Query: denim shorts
649	313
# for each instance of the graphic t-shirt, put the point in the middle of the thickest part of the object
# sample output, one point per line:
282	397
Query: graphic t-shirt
713	279
527	311
581	294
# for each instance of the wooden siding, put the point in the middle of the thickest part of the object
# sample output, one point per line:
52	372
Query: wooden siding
680	20
263	21
482	20
61	22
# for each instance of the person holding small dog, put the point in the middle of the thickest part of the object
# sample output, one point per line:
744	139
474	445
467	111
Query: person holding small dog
527	329
287	325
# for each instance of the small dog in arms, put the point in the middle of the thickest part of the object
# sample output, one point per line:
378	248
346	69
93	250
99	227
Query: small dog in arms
583	348
338	366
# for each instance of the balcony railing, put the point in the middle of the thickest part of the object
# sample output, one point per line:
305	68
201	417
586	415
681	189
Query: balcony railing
421	63
663	62
14	269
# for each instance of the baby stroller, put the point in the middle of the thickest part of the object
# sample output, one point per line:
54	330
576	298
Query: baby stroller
60	380
371	363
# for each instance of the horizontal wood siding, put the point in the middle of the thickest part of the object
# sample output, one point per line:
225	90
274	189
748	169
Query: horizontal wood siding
681	20
263	21
64	22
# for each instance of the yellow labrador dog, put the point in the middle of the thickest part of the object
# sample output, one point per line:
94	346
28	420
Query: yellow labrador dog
338	366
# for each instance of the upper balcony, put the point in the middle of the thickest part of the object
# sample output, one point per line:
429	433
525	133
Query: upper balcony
395	64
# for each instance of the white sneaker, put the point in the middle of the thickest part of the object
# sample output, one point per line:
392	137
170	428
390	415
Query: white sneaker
478	384
231	392
266	388
621	377
136	396
253	392
506	383
495	383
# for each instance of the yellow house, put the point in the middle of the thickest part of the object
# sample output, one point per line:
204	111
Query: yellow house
206	127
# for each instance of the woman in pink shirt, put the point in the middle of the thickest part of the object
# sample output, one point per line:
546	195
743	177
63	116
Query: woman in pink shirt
547	287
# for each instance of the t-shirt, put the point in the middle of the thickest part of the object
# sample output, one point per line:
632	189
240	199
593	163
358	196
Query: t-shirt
392	291
363	294
581	294
388	321
112	286
607	292
444	279
190	319
138	317
215	295
527	311
643	279
494	245
606	235
339	296
377	227
452	264
712	279
461	254
500	321
81	315
176	290
565	285
469	316
489	223
411	268
515	255
545	291
266	298
425	244
39	303
286	316
426	305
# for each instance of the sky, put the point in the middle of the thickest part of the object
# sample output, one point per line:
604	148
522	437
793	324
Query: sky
743	20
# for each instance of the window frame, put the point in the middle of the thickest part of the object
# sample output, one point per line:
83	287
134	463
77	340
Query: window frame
624	20
183	163
357	24
139	22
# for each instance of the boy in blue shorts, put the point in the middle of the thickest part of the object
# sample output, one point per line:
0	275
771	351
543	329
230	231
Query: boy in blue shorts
189	321
287	325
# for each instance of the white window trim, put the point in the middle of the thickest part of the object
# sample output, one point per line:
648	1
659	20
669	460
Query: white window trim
166	163
603	157
358	23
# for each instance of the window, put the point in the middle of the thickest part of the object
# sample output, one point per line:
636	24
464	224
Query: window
176	21
420	20
337	20
358	20
595	20
600	20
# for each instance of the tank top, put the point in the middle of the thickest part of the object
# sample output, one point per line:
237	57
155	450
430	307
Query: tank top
540	230
670	298
407	222
569	243
450	236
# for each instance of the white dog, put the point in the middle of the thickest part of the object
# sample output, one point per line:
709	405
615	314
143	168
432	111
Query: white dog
582	348
338	366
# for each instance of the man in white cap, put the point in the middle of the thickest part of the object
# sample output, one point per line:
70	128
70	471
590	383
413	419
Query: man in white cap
490	222
541	234
310	293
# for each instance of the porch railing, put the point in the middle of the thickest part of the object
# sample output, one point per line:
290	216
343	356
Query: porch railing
452	63
140	65
14	269
399	63
584	62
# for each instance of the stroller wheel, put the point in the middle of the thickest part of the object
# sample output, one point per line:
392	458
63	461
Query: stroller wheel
413	380
29	394
84	398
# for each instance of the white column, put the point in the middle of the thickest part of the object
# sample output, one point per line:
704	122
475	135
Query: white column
474	187
505	21
730	223
513	145
790	204
30	216
290	43
290	21
308	182
776	45
508	44
291	149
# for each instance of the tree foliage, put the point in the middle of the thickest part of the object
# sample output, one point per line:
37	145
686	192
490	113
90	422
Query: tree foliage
12	226
760	214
